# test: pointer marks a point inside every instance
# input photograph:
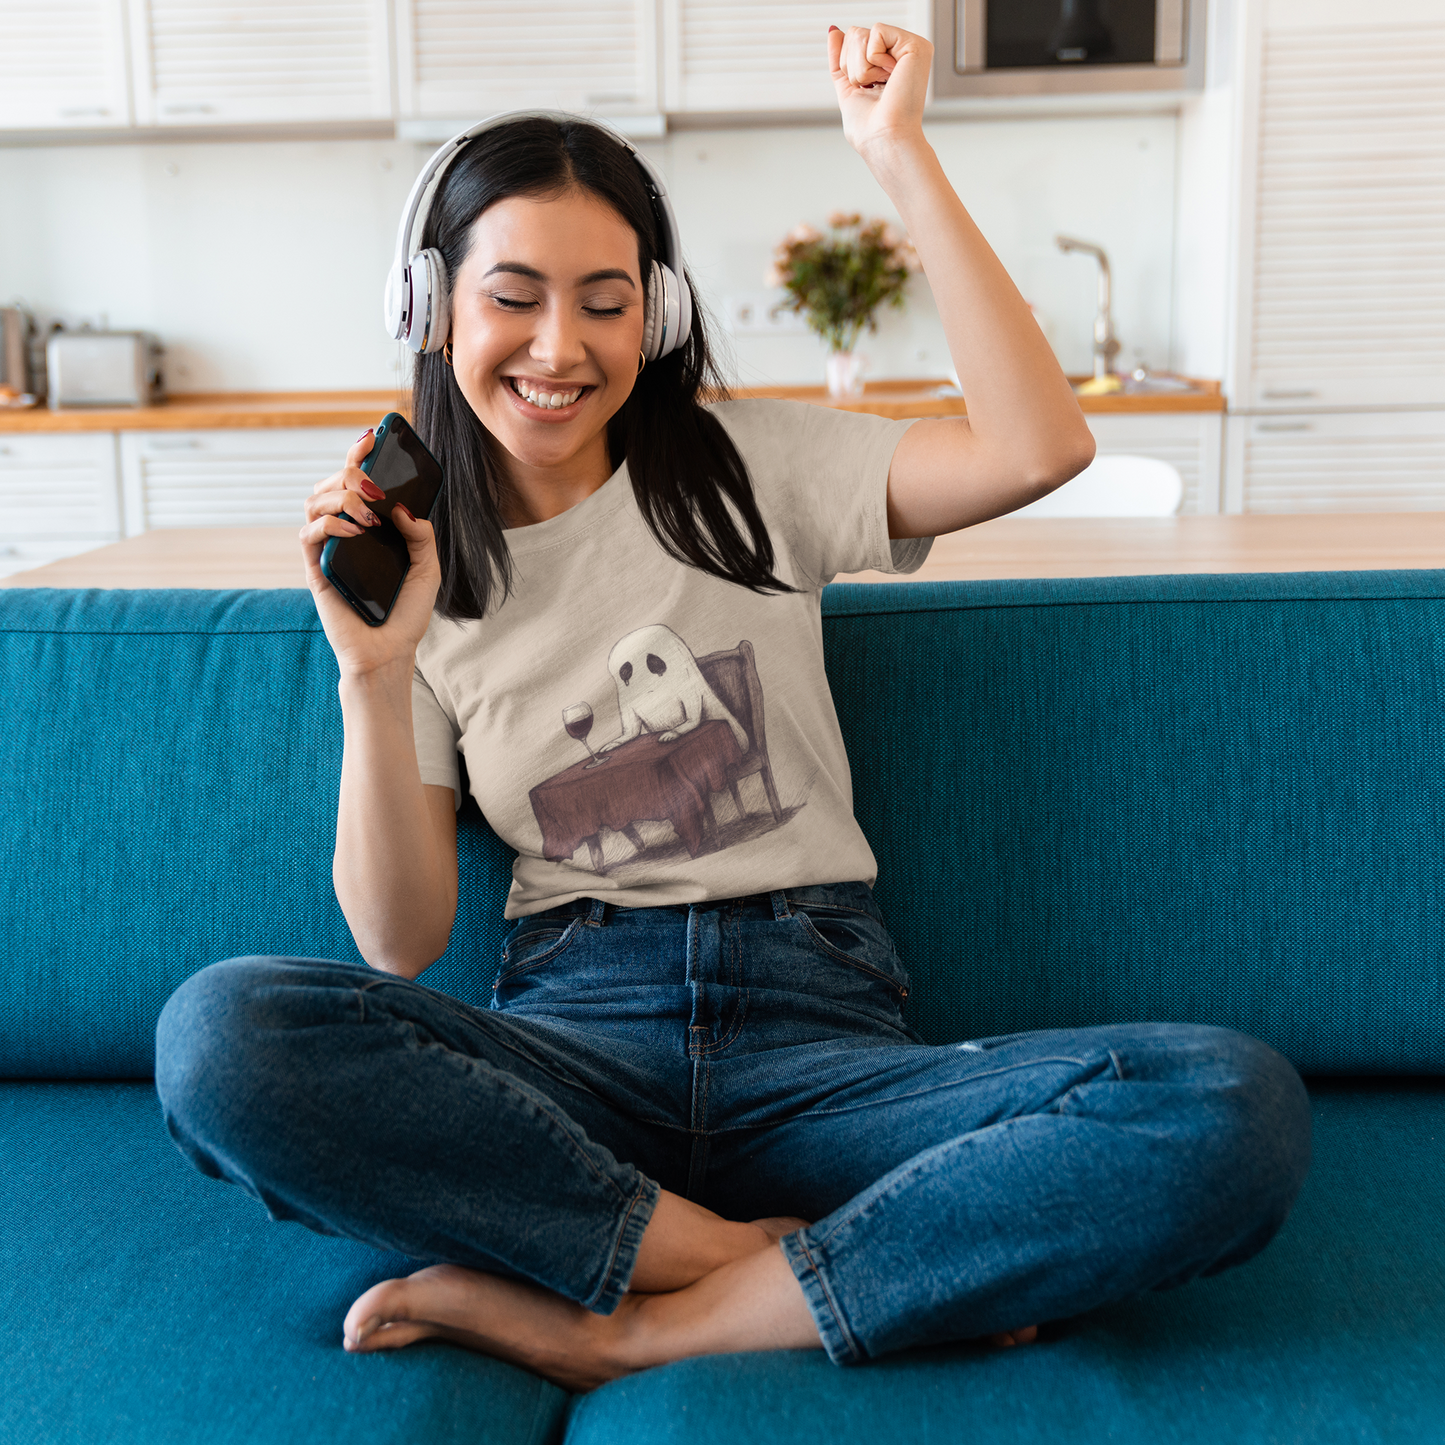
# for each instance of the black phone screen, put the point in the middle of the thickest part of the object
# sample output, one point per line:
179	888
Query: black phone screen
369	569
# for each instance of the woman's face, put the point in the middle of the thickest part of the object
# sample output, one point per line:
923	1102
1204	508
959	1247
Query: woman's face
547	313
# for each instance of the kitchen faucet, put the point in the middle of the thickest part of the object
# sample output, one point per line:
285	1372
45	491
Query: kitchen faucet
1106	344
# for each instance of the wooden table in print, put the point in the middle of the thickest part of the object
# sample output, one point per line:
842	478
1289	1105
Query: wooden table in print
642	780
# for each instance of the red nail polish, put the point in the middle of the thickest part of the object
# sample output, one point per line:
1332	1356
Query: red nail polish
405	513
364	435
370	489
832	28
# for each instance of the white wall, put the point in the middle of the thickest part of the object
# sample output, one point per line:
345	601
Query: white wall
260	264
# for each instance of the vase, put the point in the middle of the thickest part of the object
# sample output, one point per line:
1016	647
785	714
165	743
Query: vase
845	373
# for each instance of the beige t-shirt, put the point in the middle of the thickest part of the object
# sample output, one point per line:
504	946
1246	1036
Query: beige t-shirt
727	774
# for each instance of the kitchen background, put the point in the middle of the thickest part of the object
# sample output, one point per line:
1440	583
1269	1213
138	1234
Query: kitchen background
236	191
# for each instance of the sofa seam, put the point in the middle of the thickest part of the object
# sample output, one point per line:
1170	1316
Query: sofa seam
1014	606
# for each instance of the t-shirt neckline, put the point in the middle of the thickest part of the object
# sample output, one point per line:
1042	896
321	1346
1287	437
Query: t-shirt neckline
612	494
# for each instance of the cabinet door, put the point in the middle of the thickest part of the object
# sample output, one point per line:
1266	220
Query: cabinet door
58	496
1348	235
1360	462
225	478
741	55
62	65
466	62
209	62
1190	441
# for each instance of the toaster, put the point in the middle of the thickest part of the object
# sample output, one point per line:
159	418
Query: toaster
103	368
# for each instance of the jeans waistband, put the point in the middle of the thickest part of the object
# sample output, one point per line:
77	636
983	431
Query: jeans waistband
598	912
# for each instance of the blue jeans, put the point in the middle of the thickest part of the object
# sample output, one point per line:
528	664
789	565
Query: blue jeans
750	1055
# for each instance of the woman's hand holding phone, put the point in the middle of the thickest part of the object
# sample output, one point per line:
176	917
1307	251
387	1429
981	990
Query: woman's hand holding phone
339	507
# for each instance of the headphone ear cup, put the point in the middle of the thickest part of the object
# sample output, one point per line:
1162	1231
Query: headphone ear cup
661	333
653	310
431	312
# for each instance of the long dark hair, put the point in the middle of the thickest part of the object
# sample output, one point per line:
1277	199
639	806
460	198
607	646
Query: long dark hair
691	485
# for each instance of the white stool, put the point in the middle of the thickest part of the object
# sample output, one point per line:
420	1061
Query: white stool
1114	486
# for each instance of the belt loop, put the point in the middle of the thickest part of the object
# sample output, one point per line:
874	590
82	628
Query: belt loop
781	908
597	914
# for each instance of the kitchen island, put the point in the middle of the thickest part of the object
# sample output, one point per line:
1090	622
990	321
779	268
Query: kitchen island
1006	547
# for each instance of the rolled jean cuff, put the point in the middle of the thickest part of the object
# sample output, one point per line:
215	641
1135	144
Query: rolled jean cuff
635	1220
838	1340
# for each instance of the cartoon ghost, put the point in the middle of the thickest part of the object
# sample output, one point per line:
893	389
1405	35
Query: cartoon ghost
661	689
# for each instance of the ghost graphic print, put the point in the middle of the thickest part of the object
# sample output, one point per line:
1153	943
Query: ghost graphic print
661	689
689	727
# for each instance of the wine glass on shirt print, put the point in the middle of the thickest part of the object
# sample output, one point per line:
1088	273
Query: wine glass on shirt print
577	719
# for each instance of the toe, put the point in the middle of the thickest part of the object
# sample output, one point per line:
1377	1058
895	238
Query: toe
381	1303
390	1336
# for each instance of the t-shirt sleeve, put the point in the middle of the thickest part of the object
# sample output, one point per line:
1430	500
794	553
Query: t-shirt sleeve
436	739
823	474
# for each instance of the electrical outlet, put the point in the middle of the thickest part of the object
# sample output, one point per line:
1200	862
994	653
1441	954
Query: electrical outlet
762	313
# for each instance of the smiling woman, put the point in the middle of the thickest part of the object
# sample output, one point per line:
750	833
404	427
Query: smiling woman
696	1043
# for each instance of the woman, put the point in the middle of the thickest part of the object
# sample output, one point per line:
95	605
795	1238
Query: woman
694	1120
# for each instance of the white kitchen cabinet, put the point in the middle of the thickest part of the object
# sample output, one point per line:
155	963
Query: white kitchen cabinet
1341	235
1191	441
1336	462
467	61
209	62
253	478
763	55
63	65
58	496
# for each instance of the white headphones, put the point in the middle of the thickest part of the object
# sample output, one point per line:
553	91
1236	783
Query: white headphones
417	305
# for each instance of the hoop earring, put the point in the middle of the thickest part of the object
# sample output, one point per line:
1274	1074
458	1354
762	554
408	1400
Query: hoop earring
641	361
447	352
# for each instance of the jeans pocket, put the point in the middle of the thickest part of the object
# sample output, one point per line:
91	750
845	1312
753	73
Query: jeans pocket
529	946
854	938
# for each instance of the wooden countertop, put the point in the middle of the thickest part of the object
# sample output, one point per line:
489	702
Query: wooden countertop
920	398
239	410
218	410
1006	547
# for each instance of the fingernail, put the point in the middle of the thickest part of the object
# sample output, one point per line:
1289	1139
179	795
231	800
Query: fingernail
832	28
367	1328
364	435
371	519
404	511
370	489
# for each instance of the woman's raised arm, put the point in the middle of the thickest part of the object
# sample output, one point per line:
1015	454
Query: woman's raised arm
1024	434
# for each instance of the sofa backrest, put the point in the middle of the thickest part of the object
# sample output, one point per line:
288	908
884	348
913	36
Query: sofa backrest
1207	798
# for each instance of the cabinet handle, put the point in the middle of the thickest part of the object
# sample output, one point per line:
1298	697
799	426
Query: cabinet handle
74	110
1281	394
175	446
189	109
1284	426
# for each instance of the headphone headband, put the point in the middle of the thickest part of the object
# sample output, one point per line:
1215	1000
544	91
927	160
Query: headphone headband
416	305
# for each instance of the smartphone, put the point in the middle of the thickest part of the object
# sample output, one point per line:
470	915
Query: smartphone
368	570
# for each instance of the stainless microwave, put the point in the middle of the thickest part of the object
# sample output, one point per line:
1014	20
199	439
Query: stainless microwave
1045	47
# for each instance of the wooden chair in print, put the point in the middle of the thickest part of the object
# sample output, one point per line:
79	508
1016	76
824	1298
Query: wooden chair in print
733	675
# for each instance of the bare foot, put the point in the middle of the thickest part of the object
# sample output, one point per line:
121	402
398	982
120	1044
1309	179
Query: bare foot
523	1323
753	1303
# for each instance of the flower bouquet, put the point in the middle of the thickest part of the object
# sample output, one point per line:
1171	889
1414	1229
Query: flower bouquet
839	280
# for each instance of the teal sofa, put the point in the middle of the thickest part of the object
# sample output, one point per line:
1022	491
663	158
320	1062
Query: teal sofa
1204	798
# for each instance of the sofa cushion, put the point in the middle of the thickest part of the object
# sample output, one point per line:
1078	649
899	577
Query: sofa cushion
168	777
1207	799
1215	799
143	1304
